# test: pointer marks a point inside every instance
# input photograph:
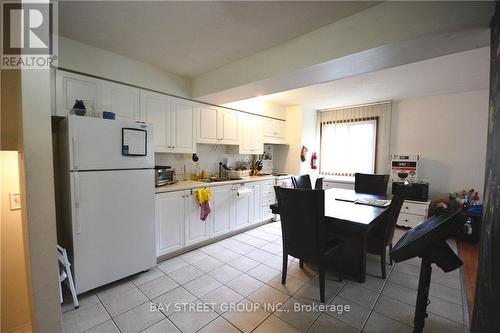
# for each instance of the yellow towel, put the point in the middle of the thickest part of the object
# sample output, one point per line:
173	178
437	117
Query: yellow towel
203	195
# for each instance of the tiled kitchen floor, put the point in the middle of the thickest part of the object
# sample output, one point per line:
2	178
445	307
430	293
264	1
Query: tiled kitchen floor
245	269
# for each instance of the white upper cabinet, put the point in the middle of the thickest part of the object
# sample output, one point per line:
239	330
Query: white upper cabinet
121	99
70	87
154	110
252	140
173	122
207	125
274	130
228	127
217	125
183	126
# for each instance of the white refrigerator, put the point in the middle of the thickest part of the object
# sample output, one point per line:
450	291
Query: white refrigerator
107	182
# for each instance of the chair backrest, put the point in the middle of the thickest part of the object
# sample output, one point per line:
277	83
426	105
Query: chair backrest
318	184
370	184
394	210
303	182
302	221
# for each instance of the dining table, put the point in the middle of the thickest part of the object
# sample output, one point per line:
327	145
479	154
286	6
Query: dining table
351	221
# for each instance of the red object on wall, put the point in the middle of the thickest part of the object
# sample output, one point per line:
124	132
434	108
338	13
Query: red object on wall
314	161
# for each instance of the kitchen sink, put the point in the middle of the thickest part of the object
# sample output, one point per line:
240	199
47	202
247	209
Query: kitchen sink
214	180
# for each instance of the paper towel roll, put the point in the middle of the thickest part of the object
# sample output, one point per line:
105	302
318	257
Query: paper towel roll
243	192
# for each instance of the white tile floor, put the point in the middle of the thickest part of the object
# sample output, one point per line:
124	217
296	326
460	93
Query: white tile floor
192	293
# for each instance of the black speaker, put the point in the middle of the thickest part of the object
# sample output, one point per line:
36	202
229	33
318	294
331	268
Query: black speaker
418	192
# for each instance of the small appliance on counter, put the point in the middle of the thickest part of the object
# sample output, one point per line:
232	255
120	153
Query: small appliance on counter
164	175
419	191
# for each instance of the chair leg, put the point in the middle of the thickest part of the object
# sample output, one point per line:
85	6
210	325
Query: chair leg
301	263
390	249
339	266
382	262
285	267
322	283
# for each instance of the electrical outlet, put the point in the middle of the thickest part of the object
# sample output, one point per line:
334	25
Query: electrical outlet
15	201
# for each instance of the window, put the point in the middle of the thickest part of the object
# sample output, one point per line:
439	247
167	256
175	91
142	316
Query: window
348	146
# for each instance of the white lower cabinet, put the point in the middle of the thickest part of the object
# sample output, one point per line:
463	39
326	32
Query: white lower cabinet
196	229
256	202
242	207
178	222
222	210
170	217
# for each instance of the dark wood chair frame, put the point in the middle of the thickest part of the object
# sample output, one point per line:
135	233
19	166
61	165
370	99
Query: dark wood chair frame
381	235
303	232
370	183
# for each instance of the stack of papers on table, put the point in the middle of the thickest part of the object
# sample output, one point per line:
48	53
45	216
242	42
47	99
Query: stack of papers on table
373	202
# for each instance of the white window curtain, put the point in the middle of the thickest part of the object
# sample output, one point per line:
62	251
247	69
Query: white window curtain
348	147
357	137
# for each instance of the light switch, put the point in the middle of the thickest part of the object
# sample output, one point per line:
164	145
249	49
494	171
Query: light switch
15	201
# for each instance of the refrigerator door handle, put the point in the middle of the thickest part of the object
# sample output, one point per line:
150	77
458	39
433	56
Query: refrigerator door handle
76	190
74	142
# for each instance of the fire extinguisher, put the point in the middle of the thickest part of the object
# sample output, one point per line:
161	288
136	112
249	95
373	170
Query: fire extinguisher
314	161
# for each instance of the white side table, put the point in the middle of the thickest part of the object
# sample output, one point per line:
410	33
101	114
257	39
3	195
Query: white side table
413	212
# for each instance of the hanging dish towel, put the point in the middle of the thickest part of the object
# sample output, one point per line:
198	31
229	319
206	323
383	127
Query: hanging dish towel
203	195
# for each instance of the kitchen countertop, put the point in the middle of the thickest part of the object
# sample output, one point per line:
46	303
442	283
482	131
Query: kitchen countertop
191	184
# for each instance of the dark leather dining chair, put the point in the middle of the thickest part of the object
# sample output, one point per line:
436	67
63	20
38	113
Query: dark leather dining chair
303	231
370	184
382	234
318	184
303	182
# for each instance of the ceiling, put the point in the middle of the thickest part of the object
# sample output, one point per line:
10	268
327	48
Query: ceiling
189	38
454	73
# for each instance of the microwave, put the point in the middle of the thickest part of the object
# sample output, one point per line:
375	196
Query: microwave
164	175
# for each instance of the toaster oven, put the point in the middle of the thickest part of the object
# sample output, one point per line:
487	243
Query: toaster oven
164	175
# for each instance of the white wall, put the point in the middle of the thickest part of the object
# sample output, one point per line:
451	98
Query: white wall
449	132
91	60
258	105
301	129
209	158
15	297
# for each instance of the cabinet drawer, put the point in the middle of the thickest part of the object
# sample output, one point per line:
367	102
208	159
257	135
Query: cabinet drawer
409	220
269	185
267	192
268	201
414	208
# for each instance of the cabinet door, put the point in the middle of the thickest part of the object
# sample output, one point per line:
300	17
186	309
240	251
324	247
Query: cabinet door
242	208
170	217
228	127
258	136
121	99
256	203
222	210
207	125
70	87
268	127
196	229
183	127
251	139
154	110
279	129
246	139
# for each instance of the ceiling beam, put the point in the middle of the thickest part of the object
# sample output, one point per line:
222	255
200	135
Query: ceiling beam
383	36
